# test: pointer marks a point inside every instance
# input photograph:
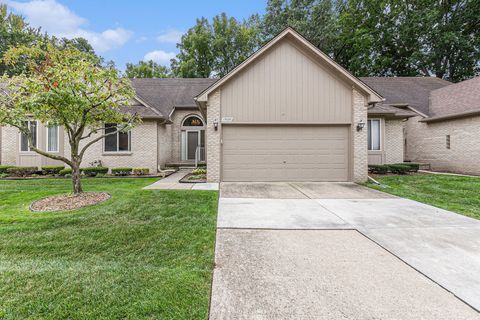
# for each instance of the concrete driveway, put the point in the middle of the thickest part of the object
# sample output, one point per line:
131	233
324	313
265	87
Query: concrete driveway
297	250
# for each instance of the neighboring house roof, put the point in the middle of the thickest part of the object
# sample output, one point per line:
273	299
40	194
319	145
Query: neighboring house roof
457	100
406	91
372	95
165	94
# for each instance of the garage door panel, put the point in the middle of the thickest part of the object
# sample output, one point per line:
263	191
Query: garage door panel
285	153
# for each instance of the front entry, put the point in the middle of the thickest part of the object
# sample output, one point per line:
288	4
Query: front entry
193	139
192	144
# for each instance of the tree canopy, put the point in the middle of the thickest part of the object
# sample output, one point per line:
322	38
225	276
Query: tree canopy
368	37
146	69
213	49
65	87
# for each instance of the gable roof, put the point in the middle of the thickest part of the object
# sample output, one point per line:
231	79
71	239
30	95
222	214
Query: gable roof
459	99
406	91
292	34
165	94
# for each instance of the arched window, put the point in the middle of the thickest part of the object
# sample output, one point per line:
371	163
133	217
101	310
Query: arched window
193	121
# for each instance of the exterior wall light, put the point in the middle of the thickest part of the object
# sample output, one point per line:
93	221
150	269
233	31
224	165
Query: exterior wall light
360	125
215	124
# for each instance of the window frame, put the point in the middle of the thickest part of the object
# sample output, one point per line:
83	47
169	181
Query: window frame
36	137
48	136
117	134
380	140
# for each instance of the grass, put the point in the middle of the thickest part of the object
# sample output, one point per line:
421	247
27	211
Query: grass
143	254
454	193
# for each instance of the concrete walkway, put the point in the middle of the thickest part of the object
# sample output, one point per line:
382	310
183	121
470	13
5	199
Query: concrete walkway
172	183
442	245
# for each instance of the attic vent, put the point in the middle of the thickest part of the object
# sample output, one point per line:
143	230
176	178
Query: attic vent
447	141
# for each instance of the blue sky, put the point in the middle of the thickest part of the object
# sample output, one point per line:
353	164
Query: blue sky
128	31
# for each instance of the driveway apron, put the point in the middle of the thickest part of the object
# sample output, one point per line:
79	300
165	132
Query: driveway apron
317	251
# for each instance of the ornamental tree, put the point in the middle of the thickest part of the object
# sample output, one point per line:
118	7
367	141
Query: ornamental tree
68	88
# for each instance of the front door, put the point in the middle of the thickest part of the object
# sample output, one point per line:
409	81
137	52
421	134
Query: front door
192	144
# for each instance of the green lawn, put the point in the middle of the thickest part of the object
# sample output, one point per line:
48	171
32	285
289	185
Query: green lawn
143	254
455	193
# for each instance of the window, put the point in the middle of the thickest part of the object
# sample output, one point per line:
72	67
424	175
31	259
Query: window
447	141
118	142
32	127
374	134
52	138
193	122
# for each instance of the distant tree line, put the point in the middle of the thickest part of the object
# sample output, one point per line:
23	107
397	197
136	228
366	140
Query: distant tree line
368	37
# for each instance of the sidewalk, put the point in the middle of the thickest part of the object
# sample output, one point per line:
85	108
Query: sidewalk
172	183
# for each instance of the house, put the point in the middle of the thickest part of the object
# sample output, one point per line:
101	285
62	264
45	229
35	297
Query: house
287	113
447	134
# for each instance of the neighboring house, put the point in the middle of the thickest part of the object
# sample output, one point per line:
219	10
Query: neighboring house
287	113
447	134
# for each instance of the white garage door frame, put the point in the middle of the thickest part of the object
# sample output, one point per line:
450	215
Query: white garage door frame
344	125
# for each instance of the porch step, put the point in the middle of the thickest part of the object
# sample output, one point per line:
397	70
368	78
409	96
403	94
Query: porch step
182	165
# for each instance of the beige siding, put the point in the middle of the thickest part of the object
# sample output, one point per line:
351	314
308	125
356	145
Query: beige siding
426	143
285	153
286	85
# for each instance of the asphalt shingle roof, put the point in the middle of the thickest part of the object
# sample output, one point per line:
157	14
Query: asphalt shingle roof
412	91
165	94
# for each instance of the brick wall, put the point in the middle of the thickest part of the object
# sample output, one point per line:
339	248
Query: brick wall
393	141
426	143
143	150
359	138
9	145
213	137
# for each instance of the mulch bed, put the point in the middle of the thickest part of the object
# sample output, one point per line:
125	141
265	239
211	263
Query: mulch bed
68	201
188	178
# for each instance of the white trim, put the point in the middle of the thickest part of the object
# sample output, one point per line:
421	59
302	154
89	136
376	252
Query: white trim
29	151
58	139
373	96
380	138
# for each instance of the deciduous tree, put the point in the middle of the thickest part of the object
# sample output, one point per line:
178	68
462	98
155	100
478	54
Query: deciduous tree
68	88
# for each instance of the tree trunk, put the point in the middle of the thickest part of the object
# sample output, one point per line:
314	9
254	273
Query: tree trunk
77	184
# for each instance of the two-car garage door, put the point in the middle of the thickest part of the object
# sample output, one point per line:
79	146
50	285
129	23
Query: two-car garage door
285	153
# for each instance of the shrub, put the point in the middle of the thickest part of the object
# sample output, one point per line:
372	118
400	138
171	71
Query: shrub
68	175
52	169
121	171
21	171
199	171
3	169
378	168
65	172
398	168
413	167
141	171
93	171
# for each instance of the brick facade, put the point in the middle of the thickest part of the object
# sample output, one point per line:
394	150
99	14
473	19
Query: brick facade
394	141
9	145
359	139
143	150
426	143
213	137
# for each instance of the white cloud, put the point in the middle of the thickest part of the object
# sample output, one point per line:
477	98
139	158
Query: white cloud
60	21
159	56
172	36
